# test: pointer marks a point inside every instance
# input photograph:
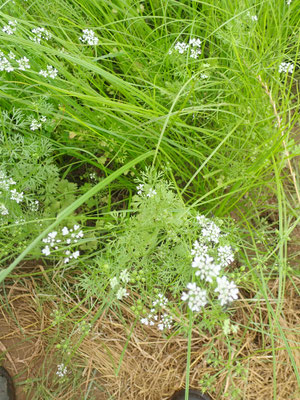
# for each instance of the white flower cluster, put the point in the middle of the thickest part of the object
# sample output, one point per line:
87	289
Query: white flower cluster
3	210
225	255
193	46
286	67
93	176
23	64
37	124
10	28
227	290
89	37
116	282
207	269
34	205
149	193
5	182
288	2
50	71
61	370
17	196
5	64
67	237
196	297
5	185
40	34
209	257
158	315
210	230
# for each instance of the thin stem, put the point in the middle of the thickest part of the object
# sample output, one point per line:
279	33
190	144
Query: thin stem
292	172
188	356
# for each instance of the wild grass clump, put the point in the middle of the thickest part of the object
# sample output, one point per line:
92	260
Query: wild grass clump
147	165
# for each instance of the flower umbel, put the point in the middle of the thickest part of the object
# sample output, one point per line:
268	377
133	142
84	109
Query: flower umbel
286	67
195	296
10	28
89	37
227	290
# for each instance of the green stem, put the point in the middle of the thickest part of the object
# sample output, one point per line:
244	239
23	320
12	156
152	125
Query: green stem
188	357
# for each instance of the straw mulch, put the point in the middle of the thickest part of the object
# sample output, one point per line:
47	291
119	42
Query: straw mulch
152	367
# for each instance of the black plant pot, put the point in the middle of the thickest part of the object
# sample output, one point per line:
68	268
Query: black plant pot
7	390
193	395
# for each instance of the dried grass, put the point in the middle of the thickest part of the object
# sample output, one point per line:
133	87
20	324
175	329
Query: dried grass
152	367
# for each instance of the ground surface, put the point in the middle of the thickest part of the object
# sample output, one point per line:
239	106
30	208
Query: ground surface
152	367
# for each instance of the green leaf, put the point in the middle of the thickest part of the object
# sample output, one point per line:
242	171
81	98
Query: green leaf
72	207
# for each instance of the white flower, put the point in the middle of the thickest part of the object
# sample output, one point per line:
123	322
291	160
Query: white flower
206	267
44	73
196	297
89	37
79	235
11	55
198	249
140	189
93	176
33	205
61	370
195	42
181	47
3	210
121	293
46	250
151	193
113	282
23	63
226	256
195	53
203	76
166	322
52	235
211	231
286	67
202	220
194	45
288	2
5	65
40	34
51	72
43	118
10	28
124	276
14	195
65	231
35	124
227	290
160	301
76	254
145	321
